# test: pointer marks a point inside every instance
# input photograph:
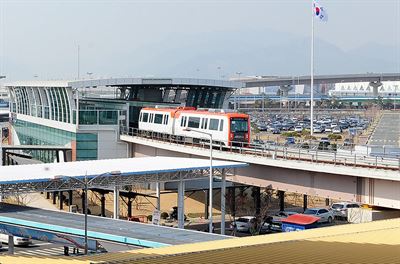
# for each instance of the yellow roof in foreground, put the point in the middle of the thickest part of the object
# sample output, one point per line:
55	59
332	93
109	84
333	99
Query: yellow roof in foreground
375	242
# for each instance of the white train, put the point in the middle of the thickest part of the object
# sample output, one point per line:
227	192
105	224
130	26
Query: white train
226	128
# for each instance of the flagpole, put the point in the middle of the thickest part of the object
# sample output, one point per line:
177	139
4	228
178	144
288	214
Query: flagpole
312	69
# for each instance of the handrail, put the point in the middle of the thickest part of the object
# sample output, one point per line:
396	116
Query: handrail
275	151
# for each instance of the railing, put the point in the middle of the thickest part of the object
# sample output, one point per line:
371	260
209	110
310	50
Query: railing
274	151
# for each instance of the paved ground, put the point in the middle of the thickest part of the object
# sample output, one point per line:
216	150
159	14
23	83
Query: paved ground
387	132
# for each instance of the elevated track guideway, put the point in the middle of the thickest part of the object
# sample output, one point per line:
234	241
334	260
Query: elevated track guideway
343	175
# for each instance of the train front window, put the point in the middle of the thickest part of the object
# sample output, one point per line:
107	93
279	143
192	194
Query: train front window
239	125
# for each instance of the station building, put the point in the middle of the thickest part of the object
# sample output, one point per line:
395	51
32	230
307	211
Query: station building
87	115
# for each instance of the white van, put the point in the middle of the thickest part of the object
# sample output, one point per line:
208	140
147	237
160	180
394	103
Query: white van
18	241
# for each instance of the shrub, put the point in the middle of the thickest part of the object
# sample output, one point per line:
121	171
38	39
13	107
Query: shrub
149	218
290	134
305	132
164	215
334	136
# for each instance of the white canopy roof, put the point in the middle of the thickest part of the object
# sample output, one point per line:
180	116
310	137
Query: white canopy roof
126	167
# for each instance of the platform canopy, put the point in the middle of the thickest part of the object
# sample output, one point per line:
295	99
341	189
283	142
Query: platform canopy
105	173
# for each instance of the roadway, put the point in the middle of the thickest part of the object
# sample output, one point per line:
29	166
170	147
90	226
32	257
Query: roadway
387	132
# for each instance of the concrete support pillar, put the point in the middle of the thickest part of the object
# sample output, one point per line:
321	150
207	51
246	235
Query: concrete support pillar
103	205
54	197
257	200
181	208
61	199
11	244
281	195
233	201
47	195
116	202
375	86
223	193
327	201
206	203
158	205
129	204
70	197
305	202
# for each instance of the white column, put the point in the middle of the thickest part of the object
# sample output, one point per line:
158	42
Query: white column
181	208
223	191
116	202
158	206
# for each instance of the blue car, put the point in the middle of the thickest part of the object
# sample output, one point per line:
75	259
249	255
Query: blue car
290	140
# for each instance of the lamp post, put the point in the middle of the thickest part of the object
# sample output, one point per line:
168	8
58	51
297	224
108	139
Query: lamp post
236	92
86	183
1	137
210	194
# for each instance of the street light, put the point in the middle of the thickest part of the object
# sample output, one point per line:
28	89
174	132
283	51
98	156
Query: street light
210	194
86	183
1	137
235	101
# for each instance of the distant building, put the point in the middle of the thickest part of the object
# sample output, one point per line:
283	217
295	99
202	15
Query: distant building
364	89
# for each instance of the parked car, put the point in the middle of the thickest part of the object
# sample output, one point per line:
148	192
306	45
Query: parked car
340	209
257	143
328	129
298	128
244	223
270	143
290	140
18	241
347	142
276	220
318	129
276	131
325	215
337	130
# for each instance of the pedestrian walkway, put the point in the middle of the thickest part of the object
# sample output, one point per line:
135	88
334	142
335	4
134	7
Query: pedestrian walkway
37	200
53	251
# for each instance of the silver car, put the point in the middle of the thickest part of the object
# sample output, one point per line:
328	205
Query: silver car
325	215
340	209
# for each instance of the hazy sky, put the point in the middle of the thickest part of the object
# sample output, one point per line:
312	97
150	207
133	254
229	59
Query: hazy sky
193	38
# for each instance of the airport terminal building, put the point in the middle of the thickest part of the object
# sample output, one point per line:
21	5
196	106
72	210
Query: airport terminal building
45	112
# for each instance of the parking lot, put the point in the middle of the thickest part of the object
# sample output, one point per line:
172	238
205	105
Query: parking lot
329	132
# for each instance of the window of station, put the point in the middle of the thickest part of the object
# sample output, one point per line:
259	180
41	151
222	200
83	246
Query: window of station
158	118
214	124
194	122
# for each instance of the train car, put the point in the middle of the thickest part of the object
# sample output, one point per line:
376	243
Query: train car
227	128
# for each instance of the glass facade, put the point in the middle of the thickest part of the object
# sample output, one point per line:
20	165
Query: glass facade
45	102
34	134
86	146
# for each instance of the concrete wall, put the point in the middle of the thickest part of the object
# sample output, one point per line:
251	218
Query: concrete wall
109	146
304	182
378	192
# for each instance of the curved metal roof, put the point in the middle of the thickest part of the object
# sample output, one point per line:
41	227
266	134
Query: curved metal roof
155	82
57	176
